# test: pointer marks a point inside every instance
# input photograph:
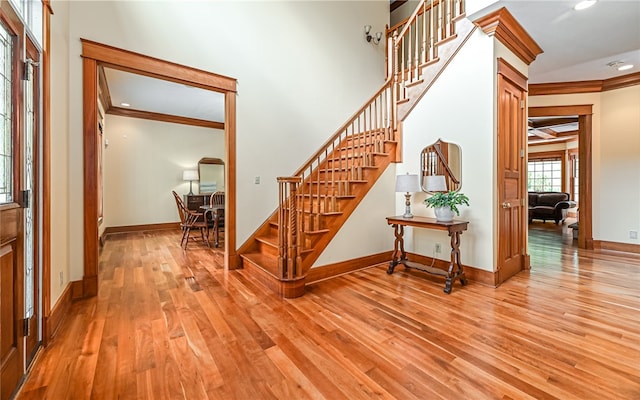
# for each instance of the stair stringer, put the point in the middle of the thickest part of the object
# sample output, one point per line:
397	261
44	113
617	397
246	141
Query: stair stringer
430	73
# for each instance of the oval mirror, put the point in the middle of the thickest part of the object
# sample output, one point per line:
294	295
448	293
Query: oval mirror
211	172
441	167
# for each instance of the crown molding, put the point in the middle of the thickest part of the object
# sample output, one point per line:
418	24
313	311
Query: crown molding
508	30
619	82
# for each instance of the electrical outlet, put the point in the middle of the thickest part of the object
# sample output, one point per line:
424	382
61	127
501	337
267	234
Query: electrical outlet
61	278
438	249
256	180
633	234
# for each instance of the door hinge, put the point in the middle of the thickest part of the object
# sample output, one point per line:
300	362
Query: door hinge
521	153
26	198
521	103
25	327
522	202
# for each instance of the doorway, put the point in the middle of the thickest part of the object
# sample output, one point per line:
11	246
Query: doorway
584	113
96	55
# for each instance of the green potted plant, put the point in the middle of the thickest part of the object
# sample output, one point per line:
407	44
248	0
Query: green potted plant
445	204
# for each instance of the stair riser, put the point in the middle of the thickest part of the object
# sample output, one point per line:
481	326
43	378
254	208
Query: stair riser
265	248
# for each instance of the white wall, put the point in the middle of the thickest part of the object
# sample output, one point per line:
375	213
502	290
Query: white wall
366	232
60	160
143	164
459	108
302	67
616	159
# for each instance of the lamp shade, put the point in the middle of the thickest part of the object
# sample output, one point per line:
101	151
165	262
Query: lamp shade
190	175
435	183
407	183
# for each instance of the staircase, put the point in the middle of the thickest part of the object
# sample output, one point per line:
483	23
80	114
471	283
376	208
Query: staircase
319	198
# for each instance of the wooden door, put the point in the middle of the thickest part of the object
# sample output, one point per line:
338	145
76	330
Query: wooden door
511	175
11	232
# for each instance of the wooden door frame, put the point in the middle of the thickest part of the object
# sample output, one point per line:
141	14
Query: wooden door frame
96	54
507	72
585	143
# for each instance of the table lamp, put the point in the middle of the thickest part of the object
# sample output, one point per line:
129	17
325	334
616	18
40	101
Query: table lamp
407	184
435	183
190	175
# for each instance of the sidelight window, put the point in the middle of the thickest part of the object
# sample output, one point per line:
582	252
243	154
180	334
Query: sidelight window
6	123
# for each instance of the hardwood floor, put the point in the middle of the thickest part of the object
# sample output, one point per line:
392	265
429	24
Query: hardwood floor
169	325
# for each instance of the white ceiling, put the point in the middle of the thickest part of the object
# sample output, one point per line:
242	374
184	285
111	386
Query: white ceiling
577	46
143	93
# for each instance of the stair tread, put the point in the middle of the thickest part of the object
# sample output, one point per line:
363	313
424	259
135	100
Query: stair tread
271	240
266	262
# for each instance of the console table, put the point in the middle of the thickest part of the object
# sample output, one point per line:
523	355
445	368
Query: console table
454	229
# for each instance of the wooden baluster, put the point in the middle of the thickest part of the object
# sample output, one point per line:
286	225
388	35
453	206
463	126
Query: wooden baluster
318	199
424	19
440	22
416	55
432	33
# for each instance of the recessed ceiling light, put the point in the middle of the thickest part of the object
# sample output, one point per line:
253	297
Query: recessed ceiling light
125	104
583	5
620	65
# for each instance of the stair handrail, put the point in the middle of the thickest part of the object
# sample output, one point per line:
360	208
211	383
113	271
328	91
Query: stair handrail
332	139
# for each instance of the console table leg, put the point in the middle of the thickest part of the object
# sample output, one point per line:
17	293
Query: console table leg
447	285
398	248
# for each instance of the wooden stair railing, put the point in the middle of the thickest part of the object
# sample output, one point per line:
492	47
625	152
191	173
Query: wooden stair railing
416	40
319	189
318	199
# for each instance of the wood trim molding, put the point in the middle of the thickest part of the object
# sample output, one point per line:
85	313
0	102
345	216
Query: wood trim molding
95	54
616	246
46	172
585	140
509	32
508	71
620	82
546	154
90	163
174	119
541	89
550	111
130	61
141	228
321	273
484	277
58	312
77	290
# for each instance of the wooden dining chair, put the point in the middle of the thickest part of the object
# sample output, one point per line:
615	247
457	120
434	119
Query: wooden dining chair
190	220
216	202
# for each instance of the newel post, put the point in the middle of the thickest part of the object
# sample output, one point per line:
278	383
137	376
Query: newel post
288	226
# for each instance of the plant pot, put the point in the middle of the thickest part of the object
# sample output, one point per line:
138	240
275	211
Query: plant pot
444	214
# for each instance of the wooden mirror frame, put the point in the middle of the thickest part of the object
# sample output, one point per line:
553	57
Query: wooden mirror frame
438	159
